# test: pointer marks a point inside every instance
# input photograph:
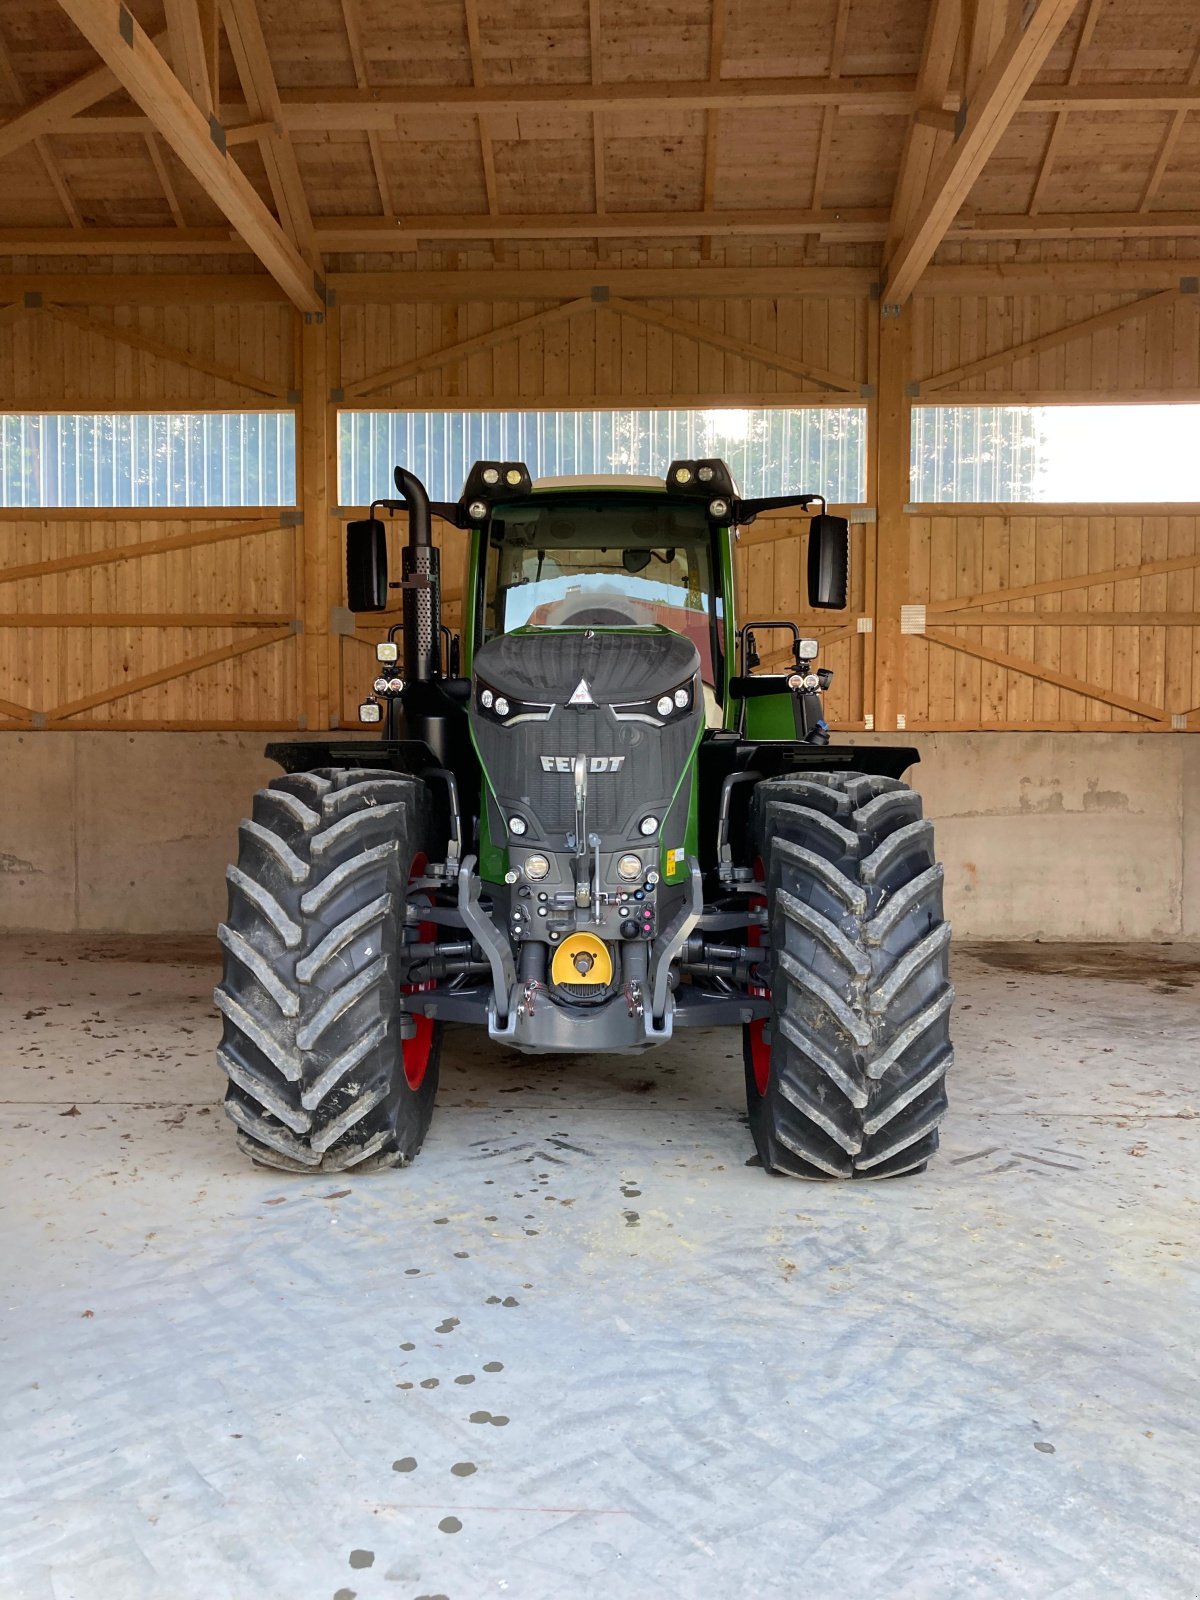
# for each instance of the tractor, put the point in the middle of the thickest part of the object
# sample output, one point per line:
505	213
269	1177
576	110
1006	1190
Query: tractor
594	817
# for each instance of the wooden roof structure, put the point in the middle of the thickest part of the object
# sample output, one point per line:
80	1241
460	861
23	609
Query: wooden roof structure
320	134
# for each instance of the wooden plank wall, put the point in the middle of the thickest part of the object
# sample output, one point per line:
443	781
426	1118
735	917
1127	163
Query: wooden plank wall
1128	657
223	631
149	619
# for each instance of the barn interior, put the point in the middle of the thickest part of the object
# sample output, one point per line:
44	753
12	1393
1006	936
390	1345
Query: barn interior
249	251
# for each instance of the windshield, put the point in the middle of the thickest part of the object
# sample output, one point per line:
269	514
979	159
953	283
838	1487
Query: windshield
614	561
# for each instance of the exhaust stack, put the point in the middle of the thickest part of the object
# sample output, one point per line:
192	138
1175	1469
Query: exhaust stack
420	571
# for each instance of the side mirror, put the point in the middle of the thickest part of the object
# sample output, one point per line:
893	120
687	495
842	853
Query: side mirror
366	565
828	563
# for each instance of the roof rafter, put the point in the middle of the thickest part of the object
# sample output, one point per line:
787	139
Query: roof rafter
243	29
189	31
487	153
8	74
358	61
933	80
999	95
124	46
829	113
1060	117
1170	139
716	47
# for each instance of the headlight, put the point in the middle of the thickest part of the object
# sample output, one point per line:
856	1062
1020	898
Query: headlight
491	475
666	705
513	476
718	510
705	474
648	825
537	868
517	826
370	711
683	474
508	709
387	650
808	649
477	511
629	868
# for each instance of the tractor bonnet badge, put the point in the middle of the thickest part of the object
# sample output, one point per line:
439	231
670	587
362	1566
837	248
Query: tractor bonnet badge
595	763
582	695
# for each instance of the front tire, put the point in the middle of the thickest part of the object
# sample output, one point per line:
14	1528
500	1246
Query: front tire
321	1076
848	1078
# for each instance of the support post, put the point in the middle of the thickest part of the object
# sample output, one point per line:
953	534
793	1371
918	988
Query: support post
315	508
892	465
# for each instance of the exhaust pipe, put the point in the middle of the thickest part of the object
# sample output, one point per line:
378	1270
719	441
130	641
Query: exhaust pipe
420	571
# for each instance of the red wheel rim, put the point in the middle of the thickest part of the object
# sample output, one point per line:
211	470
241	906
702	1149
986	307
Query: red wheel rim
417	1050
760	1047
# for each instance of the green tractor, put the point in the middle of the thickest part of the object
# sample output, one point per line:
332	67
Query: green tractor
589	823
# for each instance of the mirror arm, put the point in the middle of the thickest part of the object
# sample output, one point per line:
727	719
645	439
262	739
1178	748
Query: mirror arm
745	511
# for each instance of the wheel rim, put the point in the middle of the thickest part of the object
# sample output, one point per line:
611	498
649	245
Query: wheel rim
417	1050
760	1045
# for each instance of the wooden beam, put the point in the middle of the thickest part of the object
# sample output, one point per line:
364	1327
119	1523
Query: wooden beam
317	574
1072	619
142	619
121	43
1170	139
374	233
462	349
1079	580
708	181
569	283
1112	97
984	22
889	482
358	61
487	153
54	110
920	145
164	180
243	29
1078	225
700	331
1047	674
16	90
837	51
1083	329
1049	155
135	551
190	51
143	288
987	116
364	109
177	669
324	109
134	339
384	235
1059	277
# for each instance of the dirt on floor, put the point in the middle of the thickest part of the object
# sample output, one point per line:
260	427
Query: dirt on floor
1175	965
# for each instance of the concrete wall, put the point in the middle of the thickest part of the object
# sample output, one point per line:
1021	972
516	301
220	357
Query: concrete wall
1052	836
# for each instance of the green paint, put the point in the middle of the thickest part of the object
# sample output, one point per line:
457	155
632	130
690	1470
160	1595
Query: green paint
771	716
729	619
493	857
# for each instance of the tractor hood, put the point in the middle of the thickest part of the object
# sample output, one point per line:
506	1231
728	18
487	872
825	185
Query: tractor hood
630	701
624	665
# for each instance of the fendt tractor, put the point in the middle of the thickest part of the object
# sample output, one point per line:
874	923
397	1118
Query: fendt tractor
589	822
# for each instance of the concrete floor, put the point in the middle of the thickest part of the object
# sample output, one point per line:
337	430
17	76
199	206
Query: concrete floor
582	1348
